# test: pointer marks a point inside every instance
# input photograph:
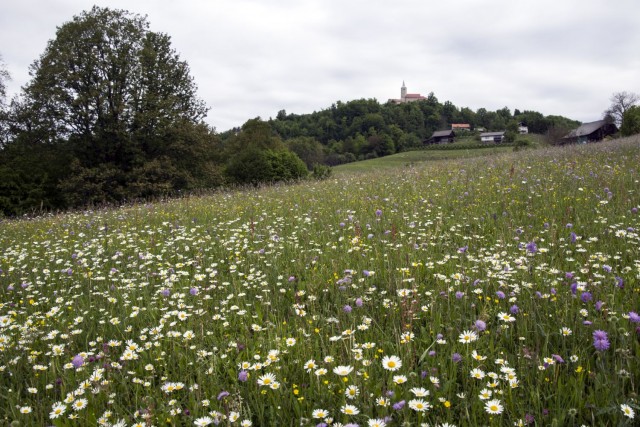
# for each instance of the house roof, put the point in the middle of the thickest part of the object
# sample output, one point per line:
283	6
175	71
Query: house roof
487	134
414	95
440	133
586	129
460	125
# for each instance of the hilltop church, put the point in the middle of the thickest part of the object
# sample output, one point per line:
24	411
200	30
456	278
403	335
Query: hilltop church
407	97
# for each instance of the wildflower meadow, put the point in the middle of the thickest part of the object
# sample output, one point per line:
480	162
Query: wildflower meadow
494	291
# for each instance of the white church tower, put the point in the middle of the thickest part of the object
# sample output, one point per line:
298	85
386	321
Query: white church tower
403	92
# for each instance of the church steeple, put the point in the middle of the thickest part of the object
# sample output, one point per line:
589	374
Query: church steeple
403	92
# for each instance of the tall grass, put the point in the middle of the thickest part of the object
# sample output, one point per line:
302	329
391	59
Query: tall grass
504	289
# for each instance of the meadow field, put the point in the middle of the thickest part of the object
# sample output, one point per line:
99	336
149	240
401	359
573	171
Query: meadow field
500	290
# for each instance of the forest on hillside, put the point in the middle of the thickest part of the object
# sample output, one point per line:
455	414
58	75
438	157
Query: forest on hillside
112	115
364	129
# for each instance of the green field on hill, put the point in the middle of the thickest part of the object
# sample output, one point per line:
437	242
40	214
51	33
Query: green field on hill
413	158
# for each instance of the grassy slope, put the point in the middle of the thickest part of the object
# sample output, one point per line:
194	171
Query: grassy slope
417	254
411	158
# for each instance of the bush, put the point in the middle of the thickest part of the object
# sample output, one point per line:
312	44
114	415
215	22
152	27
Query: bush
521	144
321	172
255	165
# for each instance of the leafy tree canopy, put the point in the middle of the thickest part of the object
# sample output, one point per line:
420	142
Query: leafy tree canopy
120	108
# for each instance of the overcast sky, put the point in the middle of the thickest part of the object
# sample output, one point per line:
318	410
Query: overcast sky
253	58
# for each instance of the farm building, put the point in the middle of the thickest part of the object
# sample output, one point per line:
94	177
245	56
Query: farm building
461	126
488	137
441	137
590	132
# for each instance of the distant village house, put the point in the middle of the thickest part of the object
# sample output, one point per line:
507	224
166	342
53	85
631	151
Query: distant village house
590	132
460	127
441	137
492	137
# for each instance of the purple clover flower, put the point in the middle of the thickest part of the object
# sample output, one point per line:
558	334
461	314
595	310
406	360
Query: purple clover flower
399	405
532	248
480	325
634	317
77	361
600	340
243	376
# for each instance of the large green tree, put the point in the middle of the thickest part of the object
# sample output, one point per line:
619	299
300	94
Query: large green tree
120	100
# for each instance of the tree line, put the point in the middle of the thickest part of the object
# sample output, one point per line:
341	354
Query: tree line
365	128
111	114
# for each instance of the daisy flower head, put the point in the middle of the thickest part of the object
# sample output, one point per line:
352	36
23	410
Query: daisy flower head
382	401
266	379
350	410
505	317
391	363
352	392
204	421
477	373
376	422
476	356
419	405
420	392
57	410
493	407
320	413
565	331
467	337
399	379
485	394
80	404
26	410
320	372
310	365
343	370
627	411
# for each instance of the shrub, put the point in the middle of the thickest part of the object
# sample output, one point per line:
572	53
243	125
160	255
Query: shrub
321	172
